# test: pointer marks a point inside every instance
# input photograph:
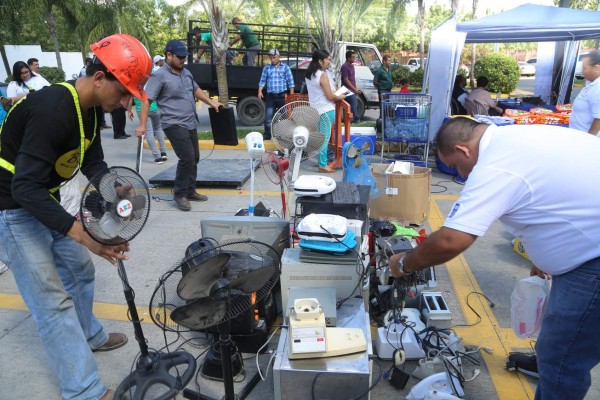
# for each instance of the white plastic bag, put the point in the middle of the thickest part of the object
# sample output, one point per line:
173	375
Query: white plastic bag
528	302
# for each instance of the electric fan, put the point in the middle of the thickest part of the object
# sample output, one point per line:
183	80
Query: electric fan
116	206
210	288
275	167
357	169
295	128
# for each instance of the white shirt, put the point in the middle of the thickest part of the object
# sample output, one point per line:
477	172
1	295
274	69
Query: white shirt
316	95
36	82
539	181
586	107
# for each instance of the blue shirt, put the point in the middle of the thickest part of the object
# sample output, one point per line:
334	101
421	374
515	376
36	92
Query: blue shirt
278	79
2	112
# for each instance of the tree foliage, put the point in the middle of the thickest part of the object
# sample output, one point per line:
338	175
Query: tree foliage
501	70
53	74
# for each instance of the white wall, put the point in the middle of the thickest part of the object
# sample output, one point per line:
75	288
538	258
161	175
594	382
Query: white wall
72	62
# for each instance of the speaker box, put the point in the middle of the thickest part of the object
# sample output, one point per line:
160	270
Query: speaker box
222	124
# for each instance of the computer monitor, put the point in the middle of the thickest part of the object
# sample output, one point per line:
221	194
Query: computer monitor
272	231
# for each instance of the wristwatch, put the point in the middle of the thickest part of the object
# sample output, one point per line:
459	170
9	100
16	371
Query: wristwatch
401	265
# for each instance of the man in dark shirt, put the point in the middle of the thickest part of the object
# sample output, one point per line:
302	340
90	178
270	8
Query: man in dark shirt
349	80
42	244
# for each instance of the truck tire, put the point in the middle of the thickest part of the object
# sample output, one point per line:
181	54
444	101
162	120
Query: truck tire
251	111
360	107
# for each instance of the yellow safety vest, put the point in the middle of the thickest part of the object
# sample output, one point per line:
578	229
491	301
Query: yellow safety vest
11	168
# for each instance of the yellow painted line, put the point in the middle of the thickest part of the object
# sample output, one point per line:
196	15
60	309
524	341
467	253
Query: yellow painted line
222	192
117	312
209	144
488	332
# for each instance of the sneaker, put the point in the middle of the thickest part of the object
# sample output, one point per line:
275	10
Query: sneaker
182	203
115	340
524	363
158	160
163	156
3	268
195	196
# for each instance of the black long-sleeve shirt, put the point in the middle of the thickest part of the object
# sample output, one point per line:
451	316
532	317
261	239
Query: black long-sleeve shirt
41	138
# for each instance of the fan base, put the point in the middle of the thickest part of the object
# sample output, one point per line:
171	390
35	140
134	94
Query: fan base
212	368
152	373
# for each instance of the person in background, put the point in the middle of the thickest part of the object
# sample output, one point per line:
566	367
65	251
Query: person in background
34	65
459	95
249	41
481	95
322	97
586	107
349	80
531	204
278	79
404	85
159	61
153	130
119	120
87	62
44	246
24	81
5	102
175	91
201	39
383	78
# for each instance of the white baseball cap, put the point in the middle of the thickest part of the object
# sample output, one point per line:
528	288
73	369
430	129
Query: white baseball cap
158	58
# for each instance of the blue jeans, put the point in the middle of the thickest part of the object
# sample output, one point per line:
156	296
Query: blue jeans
187	148
567	347
55	276
272	104
353	101
325	123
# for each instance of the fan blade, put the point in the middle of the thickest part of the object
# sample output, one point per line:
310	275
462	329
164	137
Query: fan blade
282	131
200	314
110	224
139	205
202	275
247	272
358	161
352	151
365	147
95	204
107	186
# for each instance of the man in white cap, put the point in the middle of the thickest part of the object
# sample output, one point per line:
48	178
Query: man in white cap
278	79
159	61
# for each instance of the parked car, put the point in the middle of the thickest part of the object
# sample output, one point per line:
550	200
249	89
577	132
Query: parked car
526	69
579	66
415	63
532	61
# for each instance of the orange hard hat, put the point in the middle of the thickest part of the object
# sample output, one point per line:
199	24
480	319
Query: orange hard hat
127	59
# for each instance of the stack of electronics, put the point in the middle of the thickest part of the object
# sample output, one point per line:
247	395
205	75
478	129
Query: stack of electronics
326	233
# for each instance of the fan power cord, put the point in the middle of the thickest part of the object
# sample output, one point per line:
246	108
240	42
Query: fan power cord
272	356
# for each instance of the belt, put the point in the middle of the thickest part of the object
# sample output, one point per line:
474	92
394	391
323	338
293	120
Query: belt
277	94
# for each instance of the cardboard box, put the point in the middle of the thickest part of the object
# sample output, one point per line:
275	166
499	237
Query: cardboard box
405	198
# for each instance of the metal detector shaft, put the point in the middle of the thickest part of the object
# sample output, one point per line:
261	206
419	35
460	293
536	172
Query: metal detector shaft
138	162
129	297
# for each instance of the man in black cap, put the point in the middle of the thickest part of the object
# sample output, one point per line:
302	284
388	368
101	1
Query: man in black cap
178	118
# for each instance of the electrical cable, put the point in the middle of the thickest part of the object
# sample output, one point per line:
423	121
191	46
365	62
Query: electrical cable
491	304
258	352
314	382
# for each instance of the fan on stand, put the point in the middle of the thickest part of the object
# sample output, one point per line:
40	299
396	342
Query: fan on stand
115	208
275	167
357	169
295	128
211	288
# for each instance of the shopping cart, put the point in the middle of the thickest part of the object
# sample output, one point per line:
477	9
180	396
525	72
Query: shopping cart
405	119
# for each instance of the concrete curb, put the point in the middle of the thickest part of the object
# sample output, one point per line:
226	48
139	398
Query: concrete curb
209	144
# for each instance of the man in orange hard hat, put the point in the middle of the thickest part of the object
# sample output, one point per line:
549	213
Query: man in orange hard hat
43	245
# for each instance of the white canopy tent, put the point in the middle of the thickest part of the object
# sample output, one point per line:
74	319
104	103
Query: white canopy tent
526	23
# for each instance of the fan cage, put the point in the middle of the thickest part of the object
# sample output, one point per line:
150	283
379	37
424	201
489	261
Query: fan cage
93	206
267	161
165	299
299	113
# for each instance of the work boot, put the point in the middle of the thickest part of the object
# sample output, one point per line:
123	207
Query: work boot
182	203
115	340
524	363
195	196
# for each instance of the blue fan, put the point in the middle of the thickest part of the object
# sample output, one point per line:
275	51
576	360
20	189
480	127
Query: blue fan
356	167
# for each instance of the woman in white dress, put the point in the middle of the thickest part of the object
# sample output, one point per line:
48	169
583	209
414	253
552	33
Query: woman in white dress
24	81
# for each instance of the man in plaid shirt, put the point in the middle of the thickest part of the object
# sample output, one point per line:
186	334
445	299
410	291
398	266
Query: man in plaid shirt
278	79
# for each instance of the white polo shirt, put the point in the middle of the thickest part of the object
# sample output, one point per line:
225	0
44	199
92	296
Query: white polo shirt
586	107
540	181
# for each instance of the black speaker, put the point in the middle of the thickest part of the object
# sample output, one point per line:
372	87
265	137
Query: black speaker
223	127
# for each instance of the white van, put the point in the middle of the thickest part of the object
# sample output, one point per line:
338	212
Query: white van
579	66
